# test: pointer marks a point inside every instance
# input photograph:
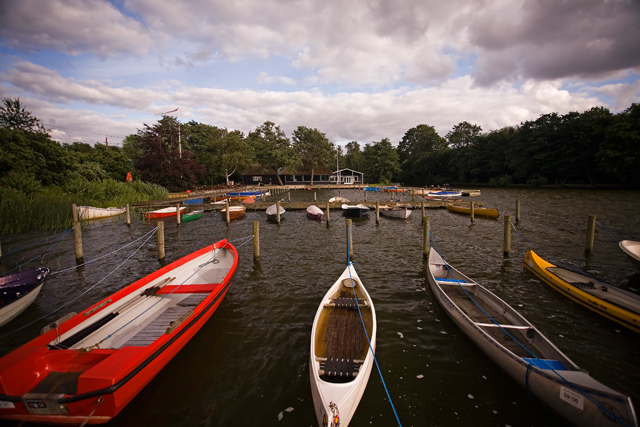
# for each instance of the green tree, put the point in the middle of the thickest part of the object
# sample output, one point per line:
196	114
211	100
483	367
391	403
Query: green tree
354	159
273	149
162	161
463	134
313	147
619	155
381	161
421	155
223	153
15	116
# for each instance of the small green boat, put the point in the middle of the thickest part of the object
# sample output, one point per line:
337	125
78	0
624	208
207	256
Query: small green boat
192	216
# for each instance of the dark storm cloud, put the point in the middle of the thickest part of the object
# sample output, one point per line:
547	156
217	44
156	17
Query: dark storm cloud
551	39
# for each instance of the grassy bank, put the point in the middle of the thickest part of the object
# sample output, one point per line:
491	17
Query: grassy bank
49	208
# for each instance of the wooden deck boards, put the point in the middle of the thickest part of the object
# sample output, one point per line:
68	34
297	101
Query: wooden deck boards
159	325
345	335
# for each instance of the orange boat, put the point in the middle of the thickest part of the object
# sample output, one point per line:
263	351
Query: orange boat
235	212
88	367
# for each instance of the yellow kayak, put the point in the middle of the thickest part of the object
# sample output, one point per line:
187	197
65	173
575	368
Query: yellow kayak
466	209
613	303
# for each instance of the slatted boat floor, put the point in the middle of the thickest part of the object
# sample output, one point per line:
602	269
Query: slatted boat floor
159	325
345	335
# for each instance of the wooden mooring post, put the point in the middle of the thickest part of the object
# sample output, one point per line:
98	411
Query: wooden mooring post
377	212
278	212
591	232
517	211
471	209
160	240
228	215
349	240
425	236
128	216
256	240
507	237
327	215
178	218
77	235
422	207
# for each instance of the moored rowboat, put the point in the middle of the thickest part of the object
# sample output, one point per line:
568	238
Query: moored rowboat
192	216
487	212
163	213
395	212
515	345
87	368
632	249
275	213
18	291
235	212
342	353
613	303
90	212
315	212
354	211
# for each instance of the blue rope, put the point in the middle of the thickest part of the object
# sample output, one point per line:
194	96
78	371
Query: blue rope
602	409
35	243
375	359
625	234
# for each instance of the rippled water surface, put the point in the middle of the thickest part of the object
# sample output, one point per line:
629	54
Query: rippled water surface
249	364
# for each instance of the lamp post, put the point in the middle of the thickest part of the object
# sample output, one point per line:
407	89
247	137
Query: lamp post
178	120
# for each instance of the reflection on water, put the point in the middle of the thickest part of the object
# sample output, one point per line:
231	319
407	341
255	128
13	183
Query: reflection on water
250	361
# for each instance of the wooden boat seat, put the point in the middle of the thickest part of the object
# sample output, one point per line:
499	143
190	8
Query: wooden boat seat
556	365
349	283
339	368
442	281
346	302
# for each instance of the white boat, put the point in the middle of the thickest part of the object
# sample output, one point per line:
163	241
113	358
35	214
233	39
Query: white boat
18	291
632	249
355	211
515	345
273	212
338	199
395	212
315	212
444	194
339	373
164	212
90	212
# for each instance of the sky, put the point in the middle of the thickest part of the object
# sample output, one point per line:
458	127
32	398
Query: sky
359	70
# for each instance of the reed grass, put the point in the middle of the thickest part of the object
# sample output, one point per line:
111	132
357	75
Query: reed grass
50	208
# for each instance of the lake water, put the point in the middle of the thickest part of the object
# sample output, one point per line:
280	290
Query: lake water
249	365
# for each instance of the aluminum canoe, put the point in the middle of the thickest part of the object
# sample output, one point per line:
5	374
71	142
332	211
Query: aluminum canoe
524	353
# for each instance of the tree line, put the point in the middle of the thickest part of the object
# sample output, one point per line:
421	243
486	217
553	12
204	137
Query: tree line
594	147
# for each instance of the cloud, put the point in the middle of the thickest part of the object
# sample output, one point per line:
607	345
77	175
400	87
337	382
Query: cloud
71	26
542	40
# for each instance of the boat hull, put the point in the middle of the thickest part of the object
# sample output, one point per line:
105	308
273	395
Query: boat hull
354	211
192	216
595	295
60	378
163	213
18	291
544	371
334	396
402	213
90	212
632	249
315	213
274	214
486	212
235	212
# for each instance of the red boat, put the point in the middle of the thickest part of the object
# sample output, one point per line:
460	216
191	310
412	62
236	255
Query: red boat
163	213
88	368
